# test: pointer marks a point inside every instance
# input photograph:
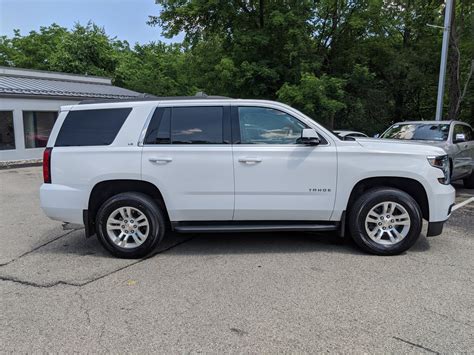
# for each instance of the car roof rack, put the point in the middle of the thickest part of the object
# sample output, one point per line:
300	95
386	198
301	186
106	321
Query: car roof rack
147	97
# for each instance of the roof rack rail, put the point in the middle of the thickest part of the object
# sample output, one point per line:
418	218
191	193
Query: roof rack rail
147	97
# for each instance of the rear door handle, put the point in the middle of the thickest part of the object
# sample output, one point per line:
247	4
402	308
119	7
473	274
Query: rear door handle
160	159
250	160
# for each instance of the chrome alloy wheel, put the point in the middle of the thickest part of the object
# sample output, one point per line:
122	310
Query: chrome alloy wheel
128	227
387	223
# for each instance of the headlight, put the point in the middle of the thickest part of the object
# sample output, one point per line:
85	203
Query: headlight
441	162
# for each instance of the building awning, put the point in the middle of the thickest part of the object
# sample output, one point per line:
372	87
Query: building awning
36	83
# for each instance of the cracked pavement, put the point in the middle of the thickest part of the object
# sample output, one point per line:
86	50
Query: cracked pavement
252	293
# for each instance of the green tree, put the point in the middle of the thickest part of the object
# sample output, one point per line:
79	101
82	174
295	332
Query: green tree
84	50
267	43
34	50
461	66
154	68
350	64
320	98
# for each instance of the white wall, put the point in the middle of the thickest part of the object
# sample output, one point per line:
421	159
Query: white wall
18	105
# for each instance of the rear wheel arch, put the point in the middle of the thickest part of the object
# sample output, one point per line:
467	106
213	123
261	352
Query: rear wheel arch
412	187
103	190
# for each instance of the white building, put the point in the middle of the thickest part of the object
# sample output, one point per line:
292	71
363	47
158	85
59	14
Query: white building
30	101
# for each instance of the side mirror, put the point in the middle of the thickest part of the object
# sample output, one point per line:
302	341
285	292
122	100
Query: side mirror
377	135
309	137
460	137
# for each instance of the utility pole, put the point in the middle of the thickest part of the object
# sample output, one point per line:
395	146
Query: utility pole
444	58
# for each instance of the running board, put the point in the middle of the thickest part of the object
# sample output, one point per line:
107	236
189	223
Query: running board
242	227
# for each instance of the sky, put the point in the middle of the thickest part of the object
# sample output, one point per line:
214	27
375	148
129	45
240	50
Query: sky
125	19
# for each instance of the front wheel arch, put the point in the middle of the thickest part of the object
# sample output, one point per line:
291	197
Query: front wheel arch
412	187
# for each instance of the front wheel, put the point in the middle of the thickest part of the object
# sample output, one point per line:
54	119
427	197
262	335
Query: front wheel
385	221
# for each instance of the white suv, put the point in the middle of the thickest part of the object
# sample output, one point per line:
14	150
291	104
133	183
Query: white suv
129	171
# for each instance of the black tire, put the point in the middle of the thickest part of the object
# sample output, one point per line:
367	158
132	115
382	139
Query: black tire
370	199
469	181
145	205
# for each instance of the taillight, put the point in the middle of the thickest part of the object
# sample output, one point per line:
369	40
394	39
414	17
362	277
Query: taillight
47	165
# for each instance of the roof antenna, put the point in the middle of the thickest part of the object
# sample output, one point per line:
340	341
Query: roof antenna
201	94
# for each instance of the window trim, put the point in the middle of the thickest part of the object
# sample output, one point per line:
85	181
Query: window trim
141	139
226	125
236	137
160	111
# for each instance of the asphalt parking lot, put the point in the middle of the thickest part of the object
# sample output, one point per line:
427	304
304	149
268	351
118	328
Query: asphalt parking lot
252	293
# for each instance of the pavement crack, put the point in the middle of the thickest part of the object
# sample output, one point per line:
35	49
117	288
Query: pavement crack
37	285
138	261
83	306
416	345
238	331
80	284
101	337
449	318
38	247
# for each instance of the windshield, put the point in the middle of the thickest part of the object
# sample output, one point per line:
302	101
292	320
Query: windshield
418	131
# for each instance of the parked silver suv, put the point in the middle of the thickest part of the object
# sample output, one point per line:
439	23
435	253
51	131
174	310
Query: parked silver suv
455	137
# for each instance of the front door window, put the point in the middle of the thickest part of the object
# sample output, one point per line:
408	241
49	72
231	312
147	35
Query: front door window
259	125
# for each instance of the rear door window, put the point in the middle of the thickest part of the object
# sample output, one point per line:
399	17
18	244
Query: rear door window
91	127
197	125
189	125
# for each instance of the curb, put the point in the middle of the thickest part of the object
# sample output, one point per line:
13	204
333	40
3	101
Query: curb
14	164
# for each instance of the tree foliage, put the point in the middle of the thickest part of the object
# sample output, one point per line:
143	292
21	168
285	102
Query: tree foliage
348	64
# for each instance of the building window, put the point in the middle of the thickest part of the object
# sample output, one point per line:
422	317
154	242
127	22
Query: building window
38	126
7	133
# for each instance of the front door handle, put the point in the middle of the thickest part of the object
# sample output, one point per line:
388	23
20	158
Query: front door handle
160	159
250	160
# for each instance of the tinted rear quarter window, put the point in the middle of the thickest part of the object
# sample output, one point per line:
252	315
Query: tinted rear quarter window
91	127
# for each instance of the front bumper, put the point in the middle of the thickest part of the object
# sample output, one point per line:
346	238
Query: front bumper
441	202
436	228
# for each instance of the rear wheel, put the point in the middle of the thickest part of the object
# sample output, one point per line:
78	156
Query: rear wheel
385	221
130	225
